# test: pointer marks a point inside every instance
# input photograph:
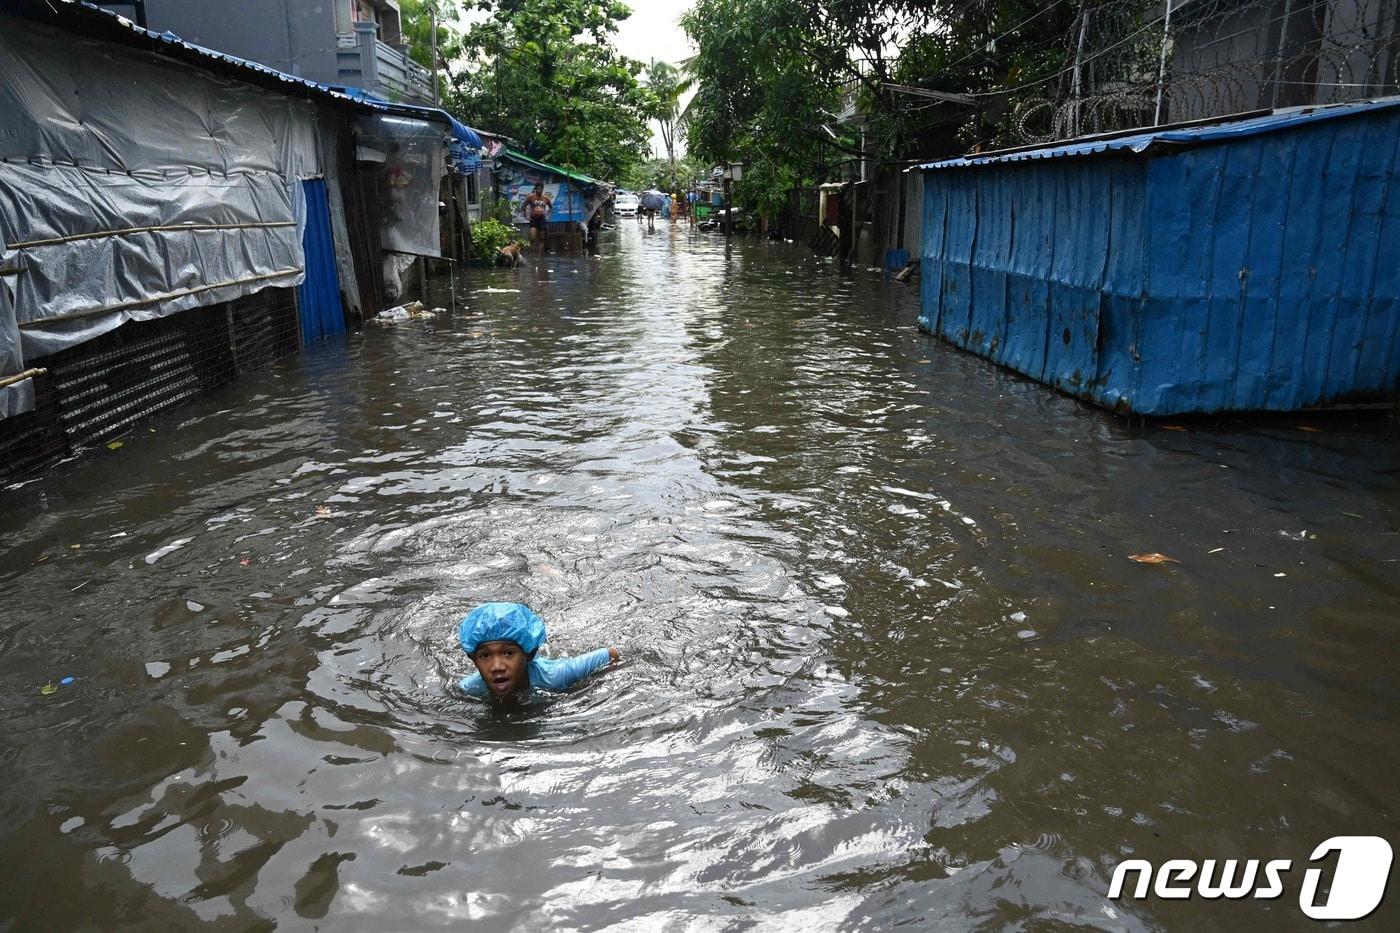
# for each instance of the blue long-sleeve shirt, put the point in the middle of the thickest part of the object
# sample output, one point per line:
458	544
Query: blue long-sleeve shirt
555	674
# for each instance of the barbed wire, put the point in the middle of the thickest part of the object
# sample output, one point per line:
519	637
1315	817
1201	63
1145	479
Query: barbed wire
1137	63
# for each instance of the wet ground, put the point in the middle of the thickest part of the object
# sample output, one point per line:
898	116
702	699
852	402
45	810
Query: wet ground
888	660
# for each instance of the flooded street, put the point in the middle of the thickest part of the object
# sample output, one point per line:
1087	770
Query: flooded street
887	658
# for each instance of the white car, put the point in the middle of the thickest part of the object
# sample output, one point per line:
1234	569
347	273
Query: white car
626	205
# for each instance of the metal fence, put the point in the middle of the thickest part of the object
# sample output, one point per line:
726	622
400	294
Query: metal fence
1134	63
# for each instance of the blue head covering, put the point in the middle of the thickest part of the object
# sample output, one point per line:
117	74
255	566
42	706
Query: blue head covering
502	622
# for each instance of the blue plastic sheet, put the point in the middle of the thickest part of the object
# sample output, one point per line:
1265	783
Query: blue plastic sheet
319	295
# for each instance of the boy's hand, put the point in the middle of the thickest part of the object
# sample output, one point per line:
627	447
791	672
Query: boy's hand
614	654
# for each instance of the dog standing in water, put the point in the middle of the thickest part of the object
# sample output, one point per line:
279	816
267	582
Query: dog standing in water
509	255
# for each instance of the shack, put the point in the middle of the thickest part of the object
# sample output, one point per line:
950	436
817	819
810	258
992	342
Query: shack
577	197
1232	265
172	217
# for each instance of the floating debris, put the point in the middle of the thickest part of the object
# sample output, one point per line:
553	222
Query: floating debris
413	311
1153	558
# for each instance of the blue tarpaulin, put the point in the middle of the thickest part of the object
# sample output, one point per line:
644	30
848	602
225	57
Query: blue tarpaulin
1241	266
318	297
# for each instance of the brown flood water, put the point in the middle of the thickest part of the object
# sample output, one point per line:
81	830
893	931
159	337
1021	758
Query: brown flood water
888	659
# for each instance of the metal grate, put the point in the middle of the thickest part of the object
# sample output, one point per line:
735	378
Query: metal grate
100	389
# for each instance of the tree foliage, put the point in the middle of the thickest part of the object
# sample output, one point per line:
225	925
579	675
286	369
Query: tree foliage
416	24
545	72
656	173
794	87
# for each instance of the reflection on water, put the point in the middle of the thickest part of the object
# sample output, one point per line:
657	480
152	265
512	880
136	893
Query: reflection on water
887	658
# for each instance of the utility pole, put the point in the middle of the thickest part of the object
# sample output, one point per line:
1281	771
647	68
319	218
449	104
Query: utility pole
1162	65
1077	85
432	16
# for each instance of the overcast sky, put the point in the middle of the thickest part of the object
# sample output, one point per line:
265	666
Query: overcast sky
654	31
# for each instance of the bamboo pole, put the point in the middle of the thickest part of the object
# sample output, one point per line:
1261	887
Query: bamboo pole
281	273
20	377
126	231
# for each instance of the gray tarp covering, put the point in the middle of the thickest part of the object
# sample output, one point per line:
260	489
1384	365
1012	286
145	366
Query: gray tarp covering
19	398
340	233
413	157
134	188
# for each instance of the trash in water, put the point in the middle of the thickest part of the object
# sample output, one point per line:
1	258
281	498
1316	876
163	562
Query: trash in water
324	511
67	680
1152	558
114	445
413	311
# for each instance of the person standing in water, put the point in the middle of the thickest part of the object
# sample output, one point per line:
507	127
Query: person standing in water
538	207
502	640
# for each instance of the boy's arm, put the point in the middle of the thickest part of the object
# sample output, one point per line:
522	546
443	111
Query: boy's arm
563	673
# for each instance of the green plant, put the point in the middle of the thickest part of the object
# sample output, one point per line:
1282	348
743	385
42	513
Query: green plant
490	235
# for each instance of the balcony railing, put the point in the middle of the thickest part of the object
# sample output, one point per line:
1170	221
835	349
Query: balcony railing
364	61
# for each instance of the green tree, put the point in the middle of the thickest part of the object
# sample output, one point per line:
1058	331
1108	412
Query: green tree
416	22
908	78
546	72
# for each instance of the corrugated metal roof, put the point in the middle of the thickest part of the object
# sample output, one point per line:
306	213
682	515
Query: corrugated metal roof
545	166
99	23
1163	137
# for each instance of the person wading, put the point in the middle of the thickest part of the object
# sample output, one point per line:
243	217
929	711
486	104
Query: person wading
538	206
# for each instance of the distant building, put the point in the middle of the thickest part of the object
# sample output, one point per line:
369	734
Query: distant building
356	43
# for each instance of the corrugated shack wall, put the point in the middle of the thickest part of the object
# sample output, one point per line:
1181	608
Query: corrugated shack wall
1257	273
1028	265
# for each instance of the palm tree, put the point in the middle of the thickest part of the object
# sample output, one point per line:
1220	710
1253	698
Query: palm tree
667	84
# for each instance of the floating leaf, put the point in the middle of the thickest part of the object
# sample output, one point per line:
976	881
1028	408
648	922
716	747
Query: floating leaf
114	445
1153	558
1172	427
1304	427
74	547
48	689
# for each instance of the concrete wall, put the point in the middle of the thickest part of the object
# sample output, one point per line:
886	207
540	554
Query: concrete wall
295	36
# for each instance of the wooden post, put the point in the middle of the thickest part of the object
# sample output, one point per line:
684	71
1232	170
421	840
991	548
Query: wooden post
728	207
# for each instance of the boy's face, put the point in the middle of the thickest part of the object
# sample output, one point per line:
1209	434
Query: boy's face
502	665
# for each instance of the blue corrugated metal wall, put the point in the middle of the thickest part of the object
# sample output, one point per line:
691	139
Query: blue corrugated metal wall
1256	274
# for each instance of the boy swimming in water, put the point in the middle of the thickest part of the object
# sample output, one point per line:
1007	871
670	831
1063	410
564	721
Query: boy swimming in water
502	639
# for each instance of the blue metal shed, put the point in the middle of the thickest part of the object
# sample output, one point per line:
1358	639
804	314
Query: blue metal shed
1250	265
